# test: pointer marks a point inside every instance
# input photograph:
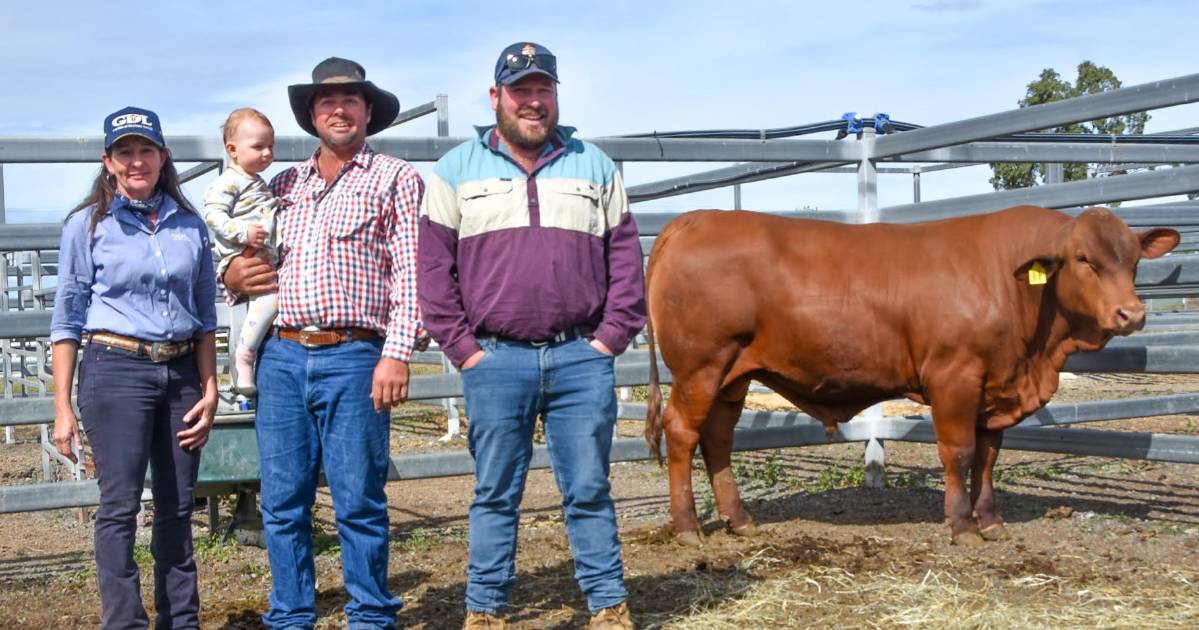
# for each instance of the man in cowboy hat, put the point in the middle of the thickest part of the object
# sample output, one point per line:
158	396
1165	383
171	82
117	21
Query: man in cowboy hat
338	361
530	279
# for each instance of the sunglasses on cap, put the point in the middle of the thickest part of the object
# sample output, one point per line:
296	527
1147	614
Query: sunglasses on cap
516	63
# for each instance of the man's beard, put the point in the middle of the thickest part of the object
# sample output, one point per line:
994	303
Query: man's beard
528	139
338	141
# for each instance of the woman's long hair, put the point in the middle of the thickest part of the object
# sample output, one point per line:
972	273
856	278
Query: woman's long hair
104	190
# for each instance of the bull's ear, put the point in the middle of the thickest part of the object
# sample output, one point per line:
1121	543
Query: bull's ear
1042	264
1157	241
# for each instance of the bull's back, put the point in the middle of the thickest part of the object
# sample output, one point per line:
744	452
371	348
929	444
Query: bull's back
745	266
838	306
794	297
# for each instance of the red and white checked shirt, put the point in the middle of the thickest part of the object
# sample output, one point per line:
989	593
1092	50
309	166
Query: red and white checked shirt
347	253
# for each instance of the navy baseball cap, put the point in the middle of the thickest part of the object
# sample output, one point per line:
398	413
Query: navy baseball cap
133	121
523	59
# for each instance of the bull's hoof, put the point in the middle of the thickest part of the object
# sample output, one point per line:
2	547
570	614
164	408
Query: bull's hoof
995	532
967	539
747	530
689	538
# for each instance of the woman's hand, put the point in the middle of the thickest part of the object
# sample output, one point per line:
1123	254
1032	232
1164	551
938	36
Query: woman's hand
66	427
199	420
66	434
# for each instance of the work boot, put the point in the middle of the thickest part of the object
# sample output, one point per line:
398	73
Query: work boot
614	618
484	621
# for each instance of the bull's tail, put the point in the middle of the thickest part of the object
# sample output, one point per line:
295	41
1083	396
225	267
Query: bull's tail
653	411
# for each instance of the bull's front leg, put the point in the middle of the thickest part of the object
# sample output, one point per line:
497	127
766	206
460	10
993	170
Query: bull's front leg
681	438
955	409
982	494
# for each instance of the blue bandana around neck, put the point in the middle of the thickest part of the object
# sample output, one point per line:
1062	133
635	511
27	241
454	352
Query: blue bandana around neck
149	206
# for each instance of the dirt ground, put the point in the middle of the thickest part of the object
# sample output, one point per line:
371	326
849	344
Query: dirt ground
1095	542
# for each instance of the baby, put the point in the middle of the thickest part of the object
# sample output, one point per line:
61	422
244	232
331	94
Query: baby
240	210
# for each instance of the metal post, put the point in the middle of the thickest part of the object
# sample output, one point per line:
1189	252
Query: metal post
876	461
453	420
875	457
44	434
247	523
9	432
214	514
10	435
736	196
915	184
443	115
6	367
867	181
1055	173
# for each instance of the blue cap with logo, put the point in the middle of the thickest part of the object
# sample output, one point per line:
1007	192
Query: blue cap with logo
132	121
523	59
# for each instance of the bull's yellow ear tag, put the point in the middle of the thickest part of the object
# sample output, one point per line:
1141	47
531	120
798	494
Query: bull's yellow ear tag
1037	274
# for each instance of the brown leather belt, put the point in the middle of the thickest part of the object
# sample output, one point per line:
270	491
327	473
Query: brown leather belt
158	351
325	337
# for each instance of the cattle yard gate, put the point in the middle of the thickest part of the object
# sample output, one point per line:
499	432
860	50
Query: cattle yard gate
1164	165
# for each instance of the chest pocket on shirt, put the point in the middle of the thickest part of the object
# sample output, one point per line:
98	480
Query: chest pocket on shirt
490	205
572	204
354	215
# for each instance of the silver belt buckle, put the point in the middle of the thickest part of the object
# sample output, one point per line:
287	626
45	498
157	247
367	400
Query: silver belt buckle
305	335
538	344
156	352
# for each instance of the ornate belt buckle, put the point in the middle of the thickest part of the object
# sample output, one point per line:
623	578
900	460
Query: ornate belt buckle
306	340
156	353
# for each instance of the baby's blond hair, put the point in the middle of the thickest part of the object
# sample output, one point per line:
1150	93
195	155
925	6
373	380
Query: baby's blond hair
240	114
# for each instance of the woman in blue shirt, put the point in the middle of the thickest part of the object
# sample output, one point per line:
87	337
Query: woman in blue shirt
135	281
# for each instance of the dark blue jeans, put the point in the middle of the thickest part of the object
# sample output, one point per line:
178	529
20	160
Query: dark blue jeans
571	386
314	412
131	409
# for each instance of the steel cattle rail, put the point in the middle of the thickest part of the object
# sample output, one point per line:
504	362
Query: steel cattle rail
982	139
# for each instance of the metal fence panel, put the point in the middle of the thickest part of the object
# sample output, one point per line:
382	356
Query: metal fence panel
1159	183
1134	98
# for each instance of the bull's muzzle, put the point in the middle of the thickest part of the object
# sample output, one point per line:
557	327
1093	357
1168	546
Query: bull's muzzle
1129	318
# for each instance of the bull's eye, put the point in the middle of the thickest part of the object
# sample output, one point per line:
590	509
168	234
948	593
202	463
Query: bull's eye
1083	260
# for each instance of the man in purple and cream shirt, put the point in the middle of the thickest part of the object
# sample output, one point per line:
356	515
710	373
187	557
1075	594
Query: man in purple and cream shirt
530	278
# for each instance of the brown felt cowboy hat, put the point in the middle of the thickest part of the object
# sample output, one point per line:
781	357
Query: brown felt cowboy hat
338	72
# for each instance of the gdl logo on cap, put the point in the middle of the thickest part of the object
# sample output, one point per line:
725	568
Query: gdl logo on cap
132	121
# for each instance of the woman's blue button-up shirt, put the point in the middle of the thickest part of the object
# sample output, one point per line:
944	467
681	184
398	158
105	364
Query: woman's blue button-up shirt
131	278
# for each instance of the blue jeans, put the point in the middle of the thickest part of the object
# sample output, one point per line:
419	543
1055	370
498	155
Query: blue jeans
314	411
131	409
571	386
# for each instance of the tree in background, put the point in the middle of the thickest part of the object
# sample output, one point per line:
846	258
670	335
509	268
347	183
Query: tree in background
1092	79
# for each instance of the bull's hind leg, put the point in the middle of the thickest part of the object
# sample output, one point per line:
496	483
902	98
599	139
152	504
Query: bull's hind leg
682	435
982	494
691	399
716	444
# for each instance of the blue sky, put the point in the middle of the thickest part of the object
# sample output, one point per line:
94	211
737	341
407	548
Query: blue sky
625	66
